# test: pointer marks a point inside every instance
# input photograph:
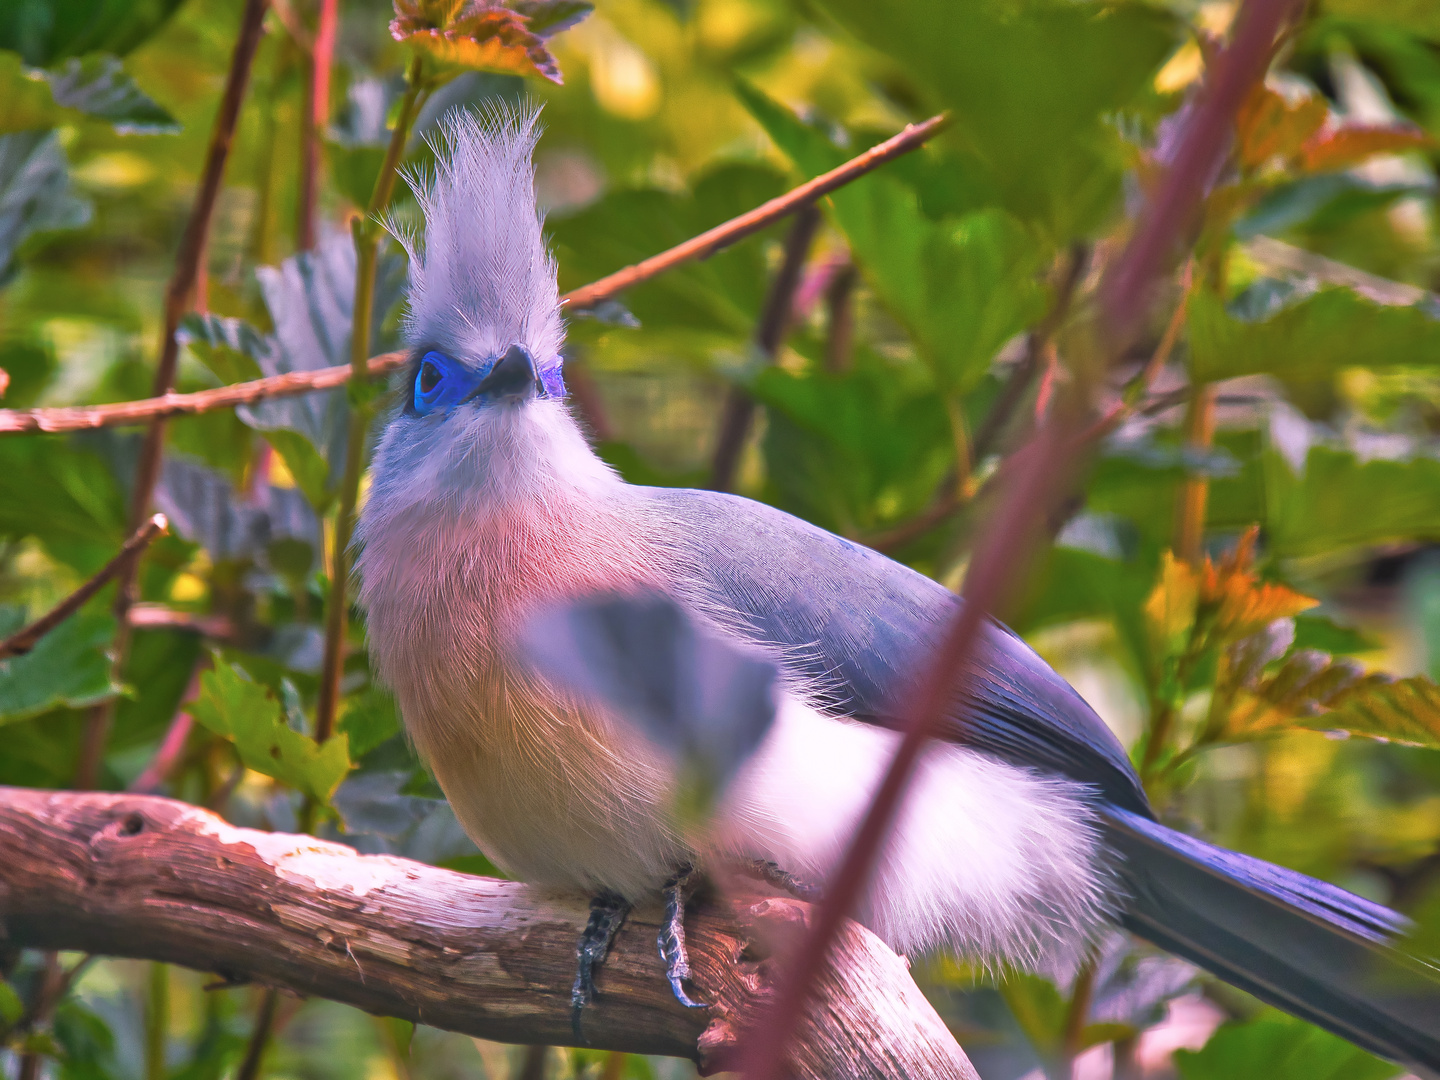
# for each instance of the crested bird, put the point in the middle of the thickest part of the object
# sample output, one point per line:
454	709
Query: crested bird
1025	830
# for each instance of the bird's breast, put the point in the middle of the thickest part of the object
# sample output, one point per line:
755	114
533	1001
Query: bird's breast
551	790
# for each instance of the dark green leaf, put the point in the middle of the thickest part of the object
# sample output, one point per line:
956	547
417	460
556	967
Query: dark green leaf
232	348
47	31
1311	339
98	86
1338	502
369	719
35	192
68	666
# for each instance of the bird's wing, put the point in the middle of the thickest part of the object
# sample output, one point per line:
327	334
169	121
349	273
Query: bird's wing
857	626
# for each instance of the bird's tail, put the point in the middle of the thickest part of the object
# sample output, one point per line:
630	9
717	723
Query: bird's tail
1314	950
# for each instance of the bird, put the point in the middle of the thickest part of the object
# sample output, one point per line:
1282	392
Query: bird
1025	833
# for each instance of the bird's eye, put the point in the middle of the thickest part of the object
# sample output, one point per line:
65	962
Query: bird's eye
438	383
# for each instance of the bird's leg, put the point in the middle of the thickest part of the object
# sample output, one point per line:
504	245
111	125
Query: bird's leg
771	874
607	913
672	935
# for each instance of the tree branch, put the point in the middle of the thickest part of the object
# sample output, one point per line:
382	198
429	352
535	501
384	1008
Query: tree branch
737	228
739	408
152	878
16	421
24	639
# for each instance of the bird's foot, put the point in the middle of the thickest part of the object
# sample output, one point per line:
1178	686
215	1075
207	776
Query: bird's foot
671	939
607	913
771	874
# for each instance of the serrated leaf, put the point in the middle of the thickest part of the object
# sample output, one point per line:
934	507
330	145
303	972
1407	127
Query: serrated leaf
245	712
1171	606
1342	147
231	348
475	35
1312	338
962	288
1269	126
1280	1047
1030	87
98	86
1338	501
310	297
35	192
369	719
203	507
1382	707
69	667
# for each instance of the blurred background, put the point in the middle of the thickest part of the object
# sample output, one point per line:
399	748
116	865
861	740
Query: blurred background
1278	700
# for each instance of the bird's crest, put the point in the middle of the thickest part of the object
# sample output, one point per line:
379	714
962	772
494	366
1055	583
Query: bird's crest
481	278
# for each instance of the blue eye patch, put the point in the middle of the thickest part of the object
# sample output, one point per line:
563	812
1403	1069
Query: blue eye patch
442	382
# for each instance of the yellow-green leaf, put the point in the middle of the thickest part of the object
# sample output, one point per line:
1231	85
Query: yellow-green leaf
1170	609
244	712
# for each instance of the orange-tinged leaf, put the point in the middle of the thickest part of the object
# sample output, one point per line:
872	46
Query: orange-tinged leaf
1340	148
1170	608
1318	692
1269	126
1380	707
489	37
1242	604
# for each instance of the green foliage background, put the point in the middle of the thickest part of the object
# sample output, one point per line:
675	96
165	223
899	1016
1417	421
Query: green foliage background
1323	355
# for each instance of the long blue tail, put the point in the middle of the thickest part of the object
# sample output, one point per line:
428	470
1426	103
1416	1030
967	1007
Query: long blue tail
1314	950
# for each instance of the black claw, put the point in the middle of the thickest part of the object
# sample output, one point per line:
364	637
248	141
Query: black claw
771	873
672	937
607	913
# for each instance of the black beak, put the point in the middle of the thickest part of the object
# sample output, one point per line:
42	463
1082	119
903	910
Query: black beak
513	378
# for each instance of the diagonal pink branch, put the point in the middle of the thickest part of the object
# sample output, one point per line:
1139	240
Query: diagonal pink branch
1038	472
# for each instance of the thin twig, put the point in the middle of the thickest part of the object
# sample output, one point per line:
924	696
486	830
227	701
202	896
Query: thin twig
86	417
25	639
1035	343
711	241
1038	472
366	233
259	1036
80	418
739	409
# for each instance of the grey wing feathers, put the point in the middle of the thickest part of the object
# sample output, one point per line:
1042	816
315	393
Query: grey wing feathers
858	625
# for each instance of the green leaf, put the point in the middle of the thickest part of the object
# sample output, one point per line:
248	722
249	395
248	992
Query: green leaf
1339	502
1312	339
47	31
11	1007
853	451
1280	1048
231	348
1381	707
1318	632
35	192
67	668
98	86
961	287
1030	87
245	712
369	719
1419	16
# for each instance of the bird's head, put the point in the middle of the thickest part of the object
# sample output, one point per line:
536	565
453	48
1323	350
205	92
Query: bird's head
481	405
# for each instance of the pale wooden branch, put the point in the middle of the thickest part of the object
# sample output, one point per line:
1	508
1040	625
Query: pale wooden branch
15	421
151	878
